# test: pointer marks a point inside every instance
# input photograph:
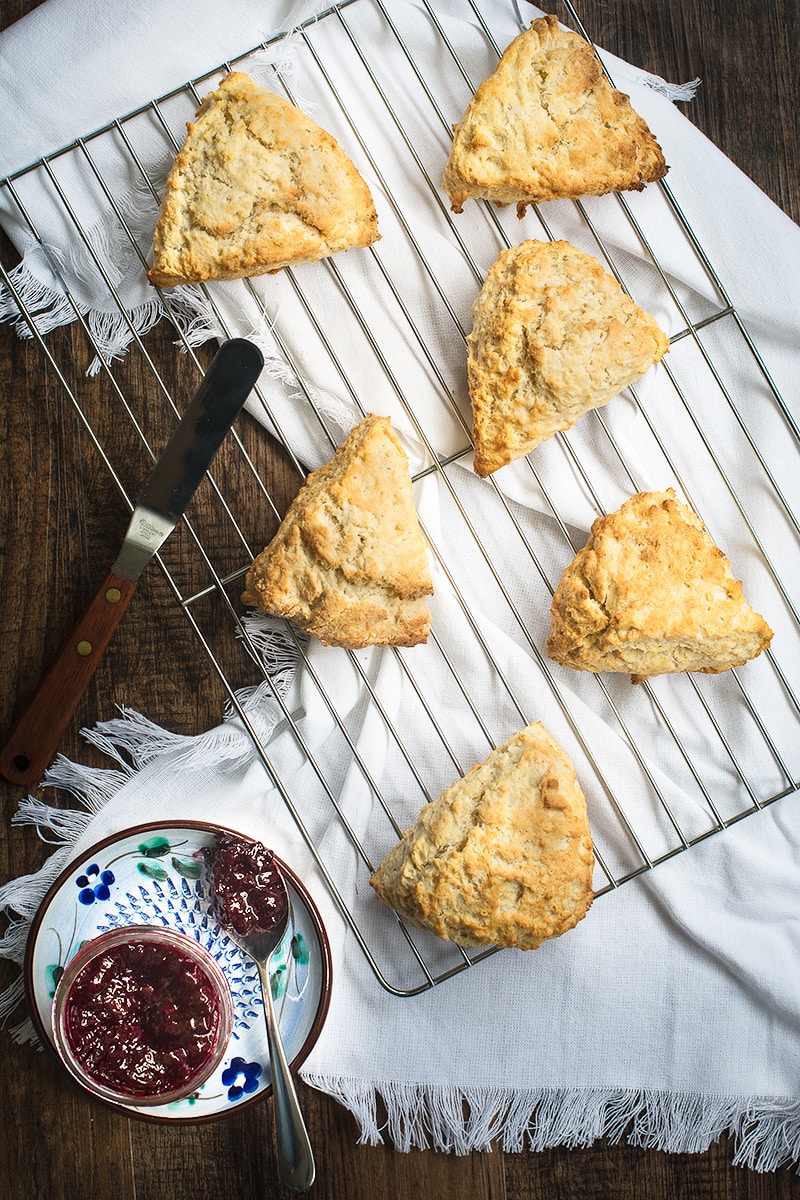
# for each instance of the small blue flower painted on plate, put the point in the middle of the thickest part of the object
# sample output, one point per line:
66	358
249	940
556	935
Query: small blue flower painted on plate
241	1078
94	884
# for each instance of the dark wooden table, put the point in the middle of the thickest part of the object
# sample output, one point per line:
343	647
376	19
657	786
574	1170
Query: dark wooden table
60	524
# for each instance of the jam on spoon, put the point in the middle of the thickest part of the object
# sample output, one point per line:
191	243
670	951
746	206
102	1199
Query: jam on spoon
249	894
251	903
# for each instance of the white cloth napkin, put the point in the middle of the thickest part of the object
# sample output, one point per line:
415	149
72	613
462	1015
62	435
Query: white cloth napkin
671	1013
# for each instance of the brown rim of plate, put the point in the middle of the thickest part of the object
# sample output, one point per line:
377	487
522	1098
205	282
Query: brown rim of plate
300	888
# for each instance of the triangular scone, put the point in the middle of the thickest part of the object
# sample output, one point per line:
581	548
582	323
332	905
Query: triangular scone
553	336
257	186
651	593
503	857
349	563
548	125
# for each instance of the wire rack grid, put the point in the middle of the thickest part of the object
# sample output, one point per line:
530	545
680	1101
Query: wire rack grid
664	765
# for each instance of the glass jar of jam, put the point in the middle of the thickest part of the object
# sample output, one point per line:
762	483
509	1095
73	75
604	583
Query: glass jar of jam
142	1015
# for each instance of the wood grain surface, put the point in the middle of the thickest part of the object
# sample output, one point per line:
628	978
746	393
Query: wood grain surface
61	519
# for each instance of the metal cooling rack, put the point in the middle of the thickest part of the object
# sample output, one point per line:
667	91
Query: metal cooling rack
744	761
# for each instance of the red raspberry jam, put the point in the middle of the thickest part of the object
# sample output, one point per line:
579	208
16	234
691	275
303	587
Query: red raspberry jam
142	1017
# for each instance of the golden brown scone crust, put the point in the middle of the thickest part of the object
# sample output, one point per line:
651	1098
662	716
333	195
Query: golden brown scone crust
349	563
503	857
548	125
257	186
553	336
650	593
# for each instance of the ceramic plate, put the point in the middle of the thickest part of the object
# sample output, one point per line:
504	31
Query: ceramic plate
149	875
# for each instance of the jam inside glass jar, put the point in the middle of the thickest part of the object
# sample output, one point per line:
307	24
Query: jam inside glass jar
142	1015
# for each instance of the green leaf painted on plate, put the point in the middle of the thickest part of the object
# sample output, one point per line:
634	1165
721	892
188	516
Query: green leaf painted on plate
299	949
155	847
185	1101
278	981
152	870
53	973
190	868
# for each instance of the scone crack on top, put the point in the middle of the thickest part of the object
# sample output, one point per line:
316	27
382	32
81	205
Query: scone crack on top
503	857
349	563
553	336
548	125
651	594
256	187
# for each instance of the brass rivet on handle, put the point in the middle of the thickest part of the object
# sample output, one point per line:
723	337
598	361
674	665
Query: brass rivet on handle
113	595
84	648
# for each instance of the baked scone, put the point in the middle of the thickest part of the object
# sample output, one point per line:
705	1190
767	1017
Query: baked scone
651	593
553	336
547	125
503	857
257	186
349	563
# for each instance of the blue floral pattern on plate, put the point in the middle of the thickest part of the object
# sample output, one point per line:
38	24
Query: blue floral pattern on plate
157	877
94	884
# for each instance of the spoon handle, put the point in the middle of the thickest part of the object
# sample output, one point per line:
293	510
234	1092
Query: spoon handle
295	1157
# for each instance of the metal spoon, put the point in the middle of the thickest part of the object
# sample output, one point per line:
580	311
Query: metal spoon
251	903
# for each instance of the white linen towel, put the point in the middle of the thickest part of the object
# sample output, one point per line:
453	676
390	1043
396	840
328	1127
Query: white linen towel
671	1013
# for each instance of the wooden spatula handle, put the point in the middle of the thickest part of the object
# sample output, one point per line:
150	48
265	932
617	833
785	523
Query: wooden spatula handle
34	739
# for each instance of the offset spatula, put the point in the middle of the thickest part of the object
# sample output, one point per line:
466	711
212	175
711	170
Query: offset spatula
175	477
